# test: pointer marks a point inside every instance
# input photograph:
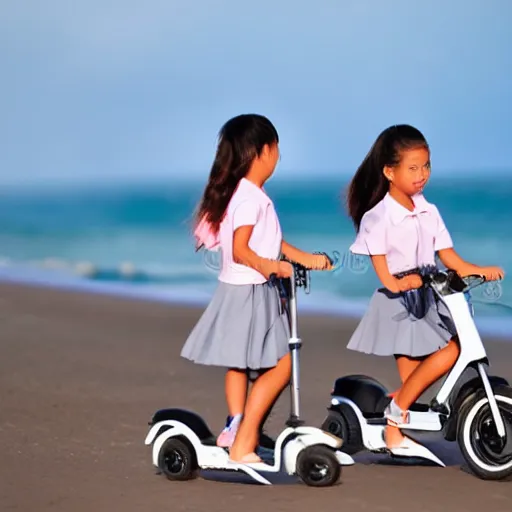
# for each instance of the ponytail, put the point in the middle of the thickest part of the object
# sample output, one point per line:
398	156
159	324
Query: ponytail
369	185
223	180
241	140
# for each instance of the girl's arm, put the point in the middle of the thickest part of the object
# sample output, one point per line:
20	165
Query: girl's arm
244	255
389	281
453	261
450	259
292	253
308	260
371	241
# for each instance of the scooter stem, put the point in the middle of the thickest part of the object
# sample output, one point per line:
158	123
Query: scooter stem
294	344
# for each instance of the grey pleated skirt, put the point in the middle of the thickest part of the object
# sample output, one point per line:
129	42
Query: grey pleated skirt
243	327
389	328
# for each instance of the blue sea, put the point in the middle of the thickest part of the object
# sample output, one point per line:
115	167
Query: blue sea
135	239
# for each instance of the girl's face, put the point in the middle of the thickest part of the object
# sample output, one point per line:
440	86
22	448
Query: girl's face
412	173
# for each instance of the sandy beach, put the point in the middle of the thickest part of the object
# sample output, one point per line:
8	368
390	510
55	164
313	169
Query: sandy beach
81	375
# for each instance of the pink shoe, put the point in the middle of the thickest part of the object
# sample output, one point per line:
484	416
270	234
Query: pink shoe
227	436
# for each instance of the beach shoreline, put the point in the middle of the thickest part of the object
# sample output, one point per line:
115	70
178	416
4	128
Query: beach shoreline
317	304
138	240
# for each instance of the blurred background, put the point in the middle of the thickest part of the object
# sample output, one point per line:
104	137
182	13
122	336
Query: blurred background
110	112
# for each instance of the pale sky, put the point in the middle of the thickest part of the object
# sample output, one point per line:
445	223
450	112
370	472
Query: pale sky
122	89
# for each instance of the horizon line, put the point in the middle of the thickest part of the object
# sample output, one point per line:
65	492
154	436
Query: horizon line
47	183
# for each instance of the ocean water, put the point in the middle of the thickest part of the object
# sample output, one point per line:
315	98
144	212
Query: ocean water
136	239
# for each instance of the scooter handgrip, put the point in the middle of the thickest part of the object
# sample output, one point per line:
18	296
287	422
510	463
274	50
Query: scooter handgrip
322	253
329	259
273	278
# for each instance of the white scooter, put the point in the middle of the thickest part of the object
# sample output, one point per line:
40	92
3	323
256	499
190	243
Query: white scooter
183	443
476	412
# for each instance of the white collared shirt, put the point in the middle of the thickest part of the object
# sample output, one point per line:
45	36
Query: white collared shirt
249	206
408	239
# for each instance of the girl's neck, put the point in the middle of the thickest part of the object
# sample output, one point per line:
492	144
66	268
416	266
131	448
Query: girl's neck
255	177
401	198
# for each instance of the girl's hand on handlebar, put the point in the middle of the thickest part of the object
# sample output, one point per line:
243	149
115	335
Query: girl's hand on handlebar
284	269
317	262
492	273
410	282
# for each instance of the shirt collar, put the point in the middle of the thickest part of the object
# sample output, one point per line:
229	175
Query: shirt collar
244	182
398	212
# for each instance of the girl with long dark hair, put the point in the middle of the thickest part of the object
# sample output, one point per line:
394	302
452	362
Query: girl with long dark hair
245	326
402	232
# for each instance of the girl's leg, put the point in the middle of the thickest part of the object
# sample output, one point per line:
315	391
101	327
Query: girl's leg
236	394
263	394
236	391
428	371
265	440
406	365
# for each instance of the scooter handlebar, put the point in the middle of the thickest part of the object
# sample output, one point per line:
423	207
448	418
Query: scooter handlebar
450	281
301	273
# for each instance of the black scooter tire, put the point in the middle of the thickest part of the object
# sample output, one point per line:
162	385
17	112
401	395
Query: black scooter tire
476	435
317	466
343	423
177	459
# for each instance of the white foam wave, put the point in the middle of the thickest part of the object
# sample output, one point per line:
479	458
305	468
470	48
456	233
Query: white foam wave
124	269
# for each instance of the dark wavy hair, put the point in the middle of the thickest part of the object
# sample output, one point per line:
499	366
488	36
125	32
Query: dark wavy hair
241	140
369	185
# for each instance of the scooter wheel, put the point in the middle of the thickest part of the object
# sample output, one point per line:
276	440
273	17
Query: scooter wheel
177	460
343	423
317	466
487	455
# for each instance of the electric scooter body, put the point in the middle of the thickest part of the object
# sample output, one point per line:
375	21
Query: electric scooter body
476	412
182	443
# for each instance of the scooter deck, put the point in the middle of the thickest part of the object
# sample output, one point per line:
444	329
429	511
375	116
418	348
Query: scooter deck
219	461
264	449
265	442
258	470
266	454
416	450
377	417
374	441
427	420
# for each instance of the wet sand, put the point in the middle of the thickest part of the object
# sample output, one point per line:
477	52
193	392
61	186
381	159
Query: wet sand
81	375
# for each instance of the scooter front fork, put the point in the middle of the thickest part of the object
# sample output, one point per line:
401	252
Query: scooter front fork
498	420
